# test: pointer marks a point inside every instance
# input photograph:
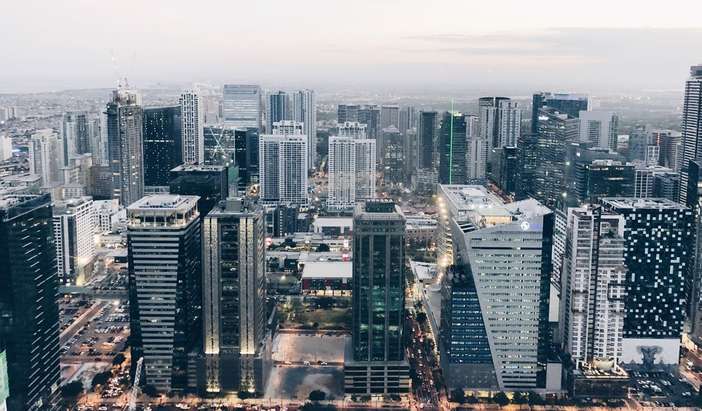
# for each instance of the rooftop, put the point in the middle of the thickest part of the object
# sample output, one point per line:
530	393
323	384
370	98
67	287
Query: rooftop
164	202
198	167
327	269
646	203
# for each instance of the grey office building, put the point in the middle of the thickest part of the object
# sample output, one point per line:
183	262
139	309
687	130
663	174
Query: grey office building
242	106
236	347
375	357
165	289
691	132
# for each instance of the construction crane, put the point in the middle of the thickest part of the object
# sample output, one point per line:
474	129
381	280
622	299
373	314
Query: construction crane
135	386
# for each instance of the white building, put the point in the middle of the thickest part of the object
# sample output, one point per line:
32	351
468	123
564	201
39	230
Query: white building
283	165
242	106
73	238
353	129
192	126
593	287
599	127
304	110
5	148
108	215
46	157
500	121
351	171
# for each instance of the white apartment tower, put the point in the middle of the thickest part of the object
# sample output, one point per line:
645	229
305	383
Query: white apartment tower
283	164
353	129
242	106
73	238
192	127
352	166
600	128
593	286
304	110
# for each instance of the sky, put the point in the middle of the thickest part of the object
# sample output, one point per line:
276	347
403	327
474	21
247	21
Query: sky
593	45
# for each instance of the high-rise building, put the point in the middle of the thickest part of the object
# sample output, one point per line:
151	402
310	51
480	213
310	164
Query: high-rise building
669	143
347	112
505	170
691	130
390	152
591	180
192	127
165	292
408	119
452	149
46	157
500	121
477	149
508	249
237	355
599	128
659	238
351	171
370	116
283	165
163	144
75	136
428	125
209	182
28	302
237	149
353	129
570	104
593	286
279	108
555	131
389	116
304	110
73	238
375	360
125	145
241	106
5	147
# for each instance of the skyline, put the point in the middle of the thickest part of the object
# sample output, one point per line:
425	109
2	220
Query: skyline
319	45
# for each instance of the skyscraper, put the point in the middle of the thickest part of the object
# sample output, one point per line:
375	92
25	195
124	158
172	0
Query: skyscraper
428	124
408	119
353	129
659	238
279	108
304	110
500	121
370	116
452	149
508	248
347	112
75	136
45	157
125	145
593	286
28	302
691	130
351	171
283	166
234	289
389	116
192	127
570	104
375	358
165	300
209	182
73	237
241	106
599	128
163	144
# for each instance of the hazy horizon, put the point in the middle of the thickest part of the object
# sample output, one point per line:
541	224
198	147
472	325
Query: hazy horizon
410	44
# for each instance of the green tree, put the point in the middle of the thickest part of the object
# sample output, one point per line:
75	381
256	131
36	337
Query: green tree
119	359
71	390
317	395
101	378
458	395
519	398
534	398
322	248
500	399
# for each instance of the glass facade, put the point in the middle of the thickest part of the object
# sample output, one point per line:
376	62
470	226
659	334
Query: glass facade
162	144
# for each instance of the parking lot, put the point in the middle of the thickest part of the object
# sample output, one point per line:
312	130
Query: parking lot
660	389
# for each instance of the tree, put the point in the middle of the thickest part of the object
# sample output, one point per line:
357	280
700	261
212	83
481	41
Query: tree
317	395
534	398
458	395
501	399
150	390
119	359
471	400
519	398
325	303
72	390
322	248
101	378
